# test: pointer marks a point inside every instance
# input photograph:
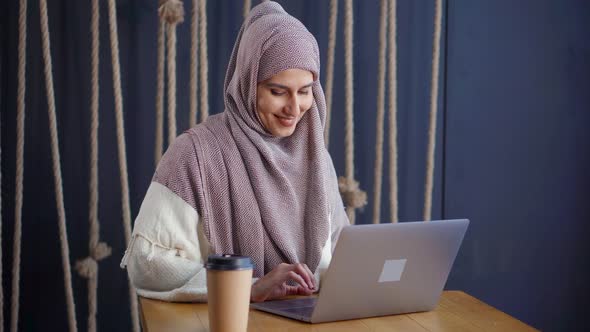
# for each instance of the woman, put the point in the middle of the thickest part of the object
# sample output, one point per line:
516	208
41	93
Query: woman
255	180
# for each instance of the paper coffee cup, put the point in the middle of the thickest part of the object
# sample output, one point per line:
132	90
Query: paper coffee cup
229	280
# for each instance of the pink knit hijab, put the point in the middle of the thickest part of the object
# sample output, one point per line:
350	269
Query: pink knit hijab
259	195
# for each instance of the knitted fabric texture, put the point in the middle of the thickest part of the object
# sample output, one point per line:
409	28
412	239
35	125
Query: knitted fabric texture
259	195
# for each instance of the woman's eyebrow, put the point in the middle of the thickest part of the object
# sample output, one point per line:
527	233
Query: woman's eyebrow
280	86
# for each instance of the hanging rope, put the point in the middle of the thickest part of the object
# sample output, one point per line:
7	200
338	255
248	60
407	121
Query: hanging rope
247	5
392	77
171	61
433	110
378	179
203	59
65	251
330	67
160	92
172	11
121	148
349	188
88	267
194	50
20	145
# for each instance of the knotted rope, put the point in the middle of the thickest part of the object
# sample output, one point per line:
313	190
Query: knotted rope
172	11
378	179
392	77
121	147
433	110
88	267
330	67
204	66
352	195
194	49
20	145
65	251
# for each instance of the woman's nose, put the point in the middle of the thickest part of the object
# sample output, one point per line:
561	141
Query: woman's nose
292	107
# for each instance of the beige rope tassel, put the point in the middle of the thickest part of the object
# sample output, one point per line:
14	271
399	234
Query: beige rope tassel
378	179
160	93
172	11
392	77
194	49
61	212
433	110
88	267
349	188
203	60
20	144
121	148
330	67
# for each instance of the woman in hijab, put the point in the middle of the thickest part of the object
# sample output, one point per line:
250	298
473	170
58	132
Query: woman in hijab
254	180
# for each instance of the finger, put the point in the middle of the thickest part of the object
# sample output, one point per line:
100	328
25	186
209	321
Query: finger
305	274
292	275
310	275
304	291
293	290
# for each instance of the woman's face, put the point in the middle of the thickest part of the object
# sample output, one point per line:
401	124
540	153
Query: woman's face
283	99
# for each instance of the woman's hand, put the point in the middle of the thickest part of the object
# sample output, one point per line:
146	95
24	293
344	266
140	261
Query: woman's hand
274	284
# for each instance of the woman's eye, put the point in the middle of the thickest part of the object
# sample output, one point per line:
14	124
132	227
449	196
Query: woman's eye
304	92
276	92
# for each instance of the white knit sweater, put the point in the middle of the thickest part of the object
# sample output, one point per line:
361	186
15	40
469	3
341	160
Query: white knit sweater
167	250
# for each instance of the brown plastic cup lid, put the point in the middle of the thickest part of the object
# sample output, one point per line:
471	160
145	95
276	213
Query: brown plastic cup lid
229	262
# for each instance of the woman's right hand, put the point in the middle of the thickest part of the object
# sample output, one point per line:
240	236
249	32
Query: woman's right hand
274	284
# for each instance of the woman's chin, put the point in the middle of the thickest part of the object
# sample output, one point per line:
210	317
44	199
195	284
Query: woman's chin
283	131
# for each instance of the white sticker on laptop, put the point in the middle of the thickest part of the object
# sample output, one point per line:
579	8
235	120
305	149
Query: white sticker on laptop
392	270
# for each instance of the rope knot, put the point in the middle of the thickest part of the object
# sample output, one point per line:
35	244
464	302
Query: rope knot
172	11
87	267
101	251
351	194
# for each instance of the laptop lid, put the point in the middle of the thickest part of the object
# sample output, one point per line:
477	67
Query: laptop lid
388	269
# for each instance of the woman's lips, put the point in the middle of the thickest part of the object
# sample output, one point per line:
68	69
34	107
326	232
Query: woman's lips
286	122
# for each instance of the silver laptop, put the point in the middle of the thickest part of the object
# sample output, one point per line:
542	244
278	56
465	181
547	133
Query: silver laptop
379	270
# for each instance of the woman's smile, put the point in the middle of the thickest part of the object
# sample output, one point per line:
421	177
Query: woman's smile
287	121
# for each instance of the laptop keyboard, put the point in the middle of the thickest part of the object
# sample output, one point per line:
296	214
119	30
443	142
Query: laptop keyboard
301	307
305	302
303	311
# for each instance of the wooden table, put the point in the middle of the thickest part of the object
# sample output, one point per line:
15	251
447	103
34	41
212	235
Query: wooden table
456	311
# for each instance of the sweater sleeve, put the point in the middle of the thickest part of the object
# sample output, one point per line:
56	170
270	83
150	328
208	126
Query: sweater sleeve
337	220
165	256
338	217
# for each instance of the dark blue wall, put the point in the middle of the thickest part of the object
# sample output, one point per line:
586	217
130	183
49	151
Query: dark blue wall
512	149
518	153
